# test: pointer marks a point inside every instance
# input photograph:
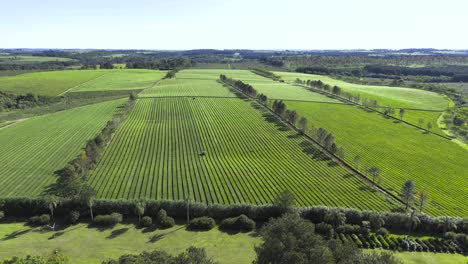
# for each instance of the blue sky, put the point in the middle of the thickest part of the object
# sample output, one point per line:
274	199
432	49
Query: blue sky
243	24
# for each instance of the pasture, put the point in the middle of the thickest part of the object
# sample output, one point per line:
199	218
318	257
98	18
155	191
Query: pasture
121	80
220	150
51	83
10	59
33	149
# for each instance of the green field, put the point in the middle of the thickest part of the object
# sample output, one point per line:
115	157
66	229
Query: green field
33	149
89	245
385	95
121	80
429	258
50	83
4	59
249	159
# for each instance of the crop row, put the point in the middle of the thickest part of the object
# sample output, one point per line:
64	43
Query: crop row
33	149
220	151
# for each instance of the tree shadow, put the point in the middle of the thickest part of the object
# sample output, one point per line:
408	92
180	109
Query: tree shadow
310	149
16	234
149	229
156	238
56	234
270	118
332	163
117	232
348	175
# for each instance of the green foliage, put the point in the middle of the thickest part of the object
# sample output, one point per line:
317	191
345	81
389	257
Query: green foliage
202	223
191	255
54	259
146	221
239	223
285	201
108	220
73	217
39	220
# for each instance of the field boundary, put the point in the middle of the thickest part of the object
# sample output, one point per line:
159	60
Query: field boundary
326	152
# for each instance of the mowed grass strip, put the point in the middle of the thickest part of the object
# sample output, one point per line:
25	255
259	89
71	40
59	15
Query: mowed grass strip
127	79
249	158
401	152
51	83
30	151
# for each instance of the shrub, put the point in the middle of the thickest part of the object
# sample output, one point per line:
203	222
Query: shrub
2	215
161	215
202	223
73	217
146	221
38	220
167	222
348	229
108	220
324	229
382	231
241	223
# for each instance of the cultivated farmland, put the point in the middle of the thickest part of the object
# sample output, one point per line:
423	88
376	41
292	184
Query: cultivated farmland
122	80
33	149
402	152
50	83
220	150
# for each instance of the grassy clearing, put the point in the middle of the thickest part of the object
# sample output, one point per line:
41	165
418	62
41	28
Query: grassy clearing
400	151
50	83
249	158
33	149
89	245
122	80
385	95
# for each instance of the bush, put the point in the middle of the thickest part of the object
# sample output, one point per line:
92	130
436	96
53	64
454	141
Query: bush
39	220
241	223
325	230
161	215
73	217
202	223
348	229
2	215
382	231
108	220
146	221
167	222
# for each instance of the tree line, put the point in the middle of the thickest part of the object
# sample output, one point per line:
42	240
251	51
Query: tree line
72	179
244	87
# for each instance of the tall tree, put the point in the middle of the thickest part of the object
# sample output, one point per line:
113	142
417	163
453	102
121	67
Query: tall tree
408	190
413	221
402	113
285	201
446	224
139	210
374	172
335	218
302	124
423	197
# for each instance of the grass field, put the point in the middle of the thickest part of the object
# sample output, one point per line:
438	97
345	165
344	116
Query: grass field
385	95
77	241
50	83
33	149
121	80
250	157
89	245
28	59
